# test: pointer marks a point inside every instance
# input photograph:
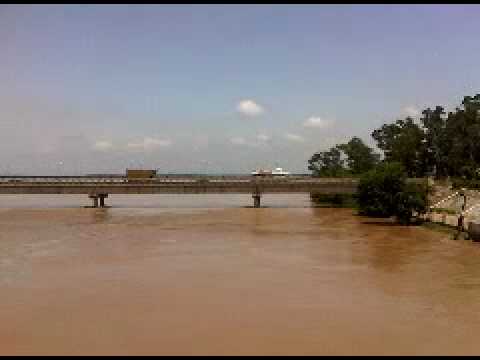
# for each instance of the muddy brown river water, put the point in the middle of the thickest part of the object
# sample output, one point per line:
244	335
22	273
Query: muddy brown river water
205	275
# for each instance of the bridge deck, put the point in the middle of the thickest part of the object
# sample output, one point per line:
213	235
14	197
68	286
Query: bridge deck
35	185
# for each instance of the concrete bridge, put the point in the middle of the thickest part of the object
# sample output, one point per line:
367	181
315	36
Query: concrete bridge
99	188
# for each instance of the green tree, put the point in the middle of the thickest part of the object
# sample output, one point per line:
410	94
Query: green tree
442	145
410	200
462	139
435	153
377	189
327	163
360	157
384	192
403	142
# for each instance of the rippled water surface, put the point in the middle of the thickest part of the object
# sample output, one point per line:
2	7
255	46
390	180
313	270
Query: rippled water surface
210	275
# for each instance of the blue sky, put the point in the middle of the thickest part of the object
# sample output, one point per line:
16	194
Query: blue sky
223	88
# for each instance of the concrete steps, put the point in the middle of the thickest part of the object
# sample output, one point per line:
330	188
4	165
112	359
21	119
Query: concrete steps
443	197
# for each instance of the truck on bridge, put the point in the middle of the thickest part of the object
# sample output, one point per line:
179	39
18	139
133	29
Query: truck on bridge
135	175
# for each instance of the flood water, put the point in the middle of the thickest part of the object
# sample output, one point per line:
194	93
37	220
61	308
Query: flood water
207	275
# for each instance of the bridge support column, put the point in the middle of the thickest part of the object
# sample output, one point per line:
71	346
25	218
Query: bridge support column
102	199
256	200
94	200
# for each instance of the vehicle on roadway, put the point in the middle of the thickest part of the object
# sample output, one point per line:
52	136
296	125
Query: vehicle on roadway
270	173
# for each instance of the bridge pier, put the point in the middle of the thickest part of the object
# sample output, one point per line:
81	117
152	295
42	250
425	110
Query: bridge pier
94	200
102	197
98	200
256	200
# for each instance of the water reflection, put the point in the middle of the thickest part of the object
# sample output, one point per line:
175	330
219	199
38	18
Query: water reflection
100	215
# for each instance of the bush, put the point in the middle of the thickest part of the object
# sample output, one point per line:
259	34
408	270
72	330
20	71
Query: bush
408	202
377	189
384	192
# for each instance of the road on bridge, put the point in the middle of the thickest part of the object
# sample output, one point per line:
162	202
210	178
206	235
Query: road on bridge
98	188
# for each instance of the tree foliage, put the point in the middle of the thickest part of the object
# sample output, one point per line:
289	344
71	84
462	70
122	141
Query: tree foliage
327	163
409	201
402	142
384	192
360	157
351	158
439	144
377	189
434	154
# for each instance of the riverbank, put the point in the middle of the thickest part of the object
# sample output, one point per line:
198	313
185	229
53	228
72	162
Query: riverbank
441	220
442	228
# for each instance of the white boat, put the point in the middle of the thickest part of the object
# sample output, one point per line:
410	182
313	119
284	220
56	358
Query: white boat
277	172
280	172
261	172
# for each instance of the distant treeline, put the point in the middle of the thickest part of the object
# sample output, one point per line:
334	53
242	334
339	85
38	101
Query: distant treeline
438	144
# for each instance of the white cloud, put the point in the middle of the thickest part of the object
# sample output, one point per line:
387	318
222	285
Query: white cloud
249	108
102	145
317	122
238	141
149	143
263	137
294	137
411	111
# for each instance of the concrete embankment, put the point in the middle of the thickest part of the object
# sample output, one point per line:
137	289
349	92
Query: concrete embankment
444	218
448	211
